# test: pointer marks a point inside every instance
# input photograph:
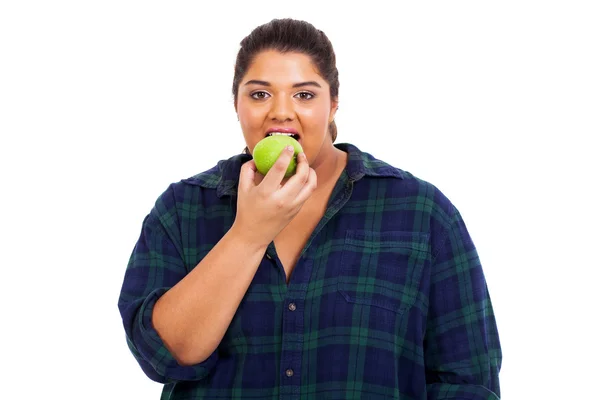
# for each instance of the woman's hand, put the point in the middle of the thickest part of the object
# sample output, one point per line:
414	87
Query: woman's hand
264	209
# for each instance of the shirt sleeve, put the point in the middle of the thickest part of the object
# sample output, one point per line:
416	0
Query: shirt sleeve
156	264
462	346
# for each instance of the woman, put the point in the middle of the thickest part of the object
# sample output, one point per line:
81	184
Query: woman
350	279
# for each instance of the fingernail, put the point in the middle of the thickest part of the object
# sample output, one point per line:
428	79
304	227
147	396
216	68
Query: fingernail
290	148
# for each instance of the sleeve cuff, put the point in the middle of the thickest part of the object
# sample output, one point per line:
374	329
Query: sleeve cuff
153	350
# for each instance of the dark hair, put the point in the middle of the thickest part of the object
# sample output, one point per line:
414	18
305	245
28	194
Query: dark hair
290	35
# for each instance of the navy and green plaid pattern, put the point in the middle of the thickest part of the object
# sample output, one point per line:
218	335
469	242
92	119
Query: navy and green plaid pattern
387	301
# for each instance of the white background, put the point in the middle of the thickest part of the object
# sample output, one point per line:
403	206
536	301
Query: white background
104	104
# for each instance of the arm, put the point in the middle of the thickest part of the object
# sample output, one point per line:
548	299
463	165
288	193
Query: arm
194	315
173	320
462	347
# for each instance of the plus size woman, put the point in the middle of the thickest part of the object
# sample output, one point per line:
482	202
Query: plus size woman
352	279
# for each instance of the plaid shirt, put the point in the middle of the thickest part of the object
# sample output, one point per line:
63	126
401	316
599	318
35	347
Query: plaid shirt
387	301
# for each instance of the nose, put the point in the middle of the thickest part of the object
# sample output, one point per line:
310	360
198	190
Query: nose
282	108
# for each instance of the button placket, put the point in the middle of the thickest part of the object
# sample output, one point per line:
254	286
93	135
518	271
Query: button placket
293	329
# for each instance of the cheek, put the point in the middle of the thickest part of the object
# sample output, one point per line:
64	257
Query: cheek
251	119
316	118
249	123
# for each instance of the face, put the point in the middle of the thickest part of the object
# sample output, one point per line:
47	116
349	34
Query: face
285	91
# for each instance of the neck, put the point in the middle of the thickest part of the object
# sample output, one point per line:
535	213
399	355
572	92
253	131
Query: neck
328	163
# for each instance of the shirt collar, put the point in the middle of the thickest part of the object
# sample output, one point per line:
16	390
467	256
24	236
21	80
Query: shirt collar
225	175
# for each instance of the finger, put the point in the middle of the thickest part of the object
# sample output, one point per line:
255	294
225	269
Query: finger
247	173
276	174
299	179
308	188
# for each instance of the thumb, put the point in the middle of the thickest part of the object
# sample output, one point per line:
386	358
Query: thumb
247	173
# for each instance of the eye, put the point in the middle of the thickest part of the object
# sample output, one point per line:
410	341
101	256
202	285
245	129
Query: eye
260	97
306	94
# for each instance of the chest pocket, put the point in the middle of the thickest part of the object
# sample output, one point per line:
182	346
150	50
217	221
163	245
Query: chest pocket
382	269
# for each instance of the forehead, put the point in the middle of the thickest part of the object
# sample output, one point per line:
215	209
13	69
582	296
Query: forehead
282	69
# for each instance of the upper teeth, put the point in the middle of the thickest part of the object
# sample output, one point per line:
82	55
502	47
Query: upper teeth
279	133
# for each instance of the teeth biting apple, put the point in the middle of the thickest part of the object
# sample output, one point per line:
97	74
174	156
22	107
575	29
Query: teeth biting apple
294	135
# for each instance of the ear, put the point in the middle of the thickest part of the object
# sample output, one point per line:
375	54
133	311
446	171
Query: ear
333	110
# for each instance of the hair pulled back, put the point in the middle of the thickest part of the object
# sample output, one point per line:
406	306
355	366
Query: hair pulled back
294	36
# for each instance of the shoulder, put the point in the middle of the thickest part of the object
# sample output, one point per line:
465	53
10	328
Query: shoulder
223	174
220	180
409	201
204	189
399	185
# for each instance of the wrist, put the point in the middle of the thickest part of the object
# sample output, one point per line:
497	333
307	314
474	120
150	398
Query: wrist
247	238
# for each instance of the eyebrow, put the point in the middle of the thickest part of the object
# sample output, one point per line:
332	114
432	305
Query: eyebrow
295	85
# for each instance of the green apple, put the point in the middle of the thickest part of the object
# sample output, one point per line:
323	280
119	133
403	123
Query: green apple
267	151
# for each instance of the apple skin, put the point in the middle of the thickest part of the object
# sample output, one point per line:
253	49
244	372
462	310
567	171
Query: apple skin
267	151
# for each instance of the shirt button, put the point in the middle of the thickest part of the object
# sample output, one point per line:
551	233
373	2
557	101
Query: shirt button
292	307
289	373
269	257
